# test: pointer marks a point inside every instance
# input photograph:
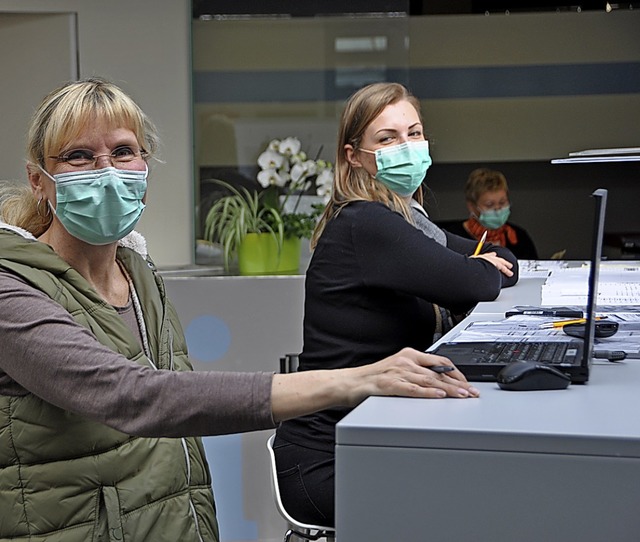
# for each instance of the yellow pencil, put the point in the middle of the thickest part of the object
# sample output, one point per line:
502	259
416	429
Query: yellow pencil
480	243
563	323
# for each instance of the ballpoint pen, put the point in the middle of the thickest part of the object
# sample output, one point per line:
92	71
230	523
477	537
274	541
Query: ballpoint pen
441	368
538	311
480	243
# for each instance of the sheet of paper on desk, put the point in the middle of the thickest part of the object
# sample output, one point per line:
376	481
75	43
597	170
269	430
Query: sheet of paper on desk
528	328
627	317
627	338
619	284
539	268
517	328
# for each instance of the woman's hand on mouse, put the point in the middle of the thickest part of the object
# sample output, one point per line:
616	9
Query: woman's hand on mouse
499	263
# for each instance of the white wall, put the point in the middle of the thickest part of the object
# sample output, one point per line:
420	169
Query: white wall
42	73
145	47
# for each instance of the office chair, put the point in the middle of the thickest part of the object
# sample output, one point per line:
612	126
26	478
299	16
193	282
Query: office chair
289	363
303	531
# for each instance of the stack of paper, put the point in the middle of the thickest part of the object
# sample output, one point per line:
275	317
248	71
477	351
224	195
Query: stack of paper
619	284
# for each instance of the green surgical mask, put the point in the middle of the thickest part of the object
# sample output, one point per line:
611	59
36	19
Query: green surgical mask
402	168
495	218
99	206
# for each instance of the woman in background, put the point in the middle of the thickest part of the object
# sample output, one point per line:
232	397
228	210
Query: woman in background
487	195
381	275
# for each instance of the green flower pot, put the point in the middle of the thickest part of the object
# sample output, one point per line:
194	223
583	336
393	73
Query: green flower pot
258	255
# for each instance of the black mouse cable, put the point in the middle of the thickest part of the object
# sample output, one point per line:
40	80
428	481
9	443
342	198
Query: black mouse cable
611	355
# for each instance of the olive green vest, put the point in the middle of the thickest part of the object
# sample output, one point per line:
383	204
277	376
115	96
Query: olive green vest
64	478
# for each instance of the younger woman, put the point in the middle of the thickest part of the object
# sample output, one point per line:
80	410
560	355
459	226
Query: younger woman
382	275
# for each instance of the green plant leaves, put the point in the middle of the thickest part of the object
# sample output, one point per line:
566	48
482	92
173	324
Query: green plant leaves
231	217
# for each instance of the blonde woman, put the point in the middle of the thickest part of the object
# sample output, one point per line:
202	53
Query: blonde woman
100	412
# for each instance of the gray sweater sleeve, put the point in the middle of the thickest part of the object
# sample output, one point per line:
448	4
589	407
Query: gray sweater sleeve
43	351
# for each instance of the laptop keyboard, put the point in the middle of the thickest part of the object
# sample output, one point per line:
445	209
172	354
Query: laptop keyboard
546	352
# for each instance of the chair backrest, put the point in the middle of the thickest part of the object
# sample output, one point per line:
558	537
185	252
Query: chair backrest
289	363
303	530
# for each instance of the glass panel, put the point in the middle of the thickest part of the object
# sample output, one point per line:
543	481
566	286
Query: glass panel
261	78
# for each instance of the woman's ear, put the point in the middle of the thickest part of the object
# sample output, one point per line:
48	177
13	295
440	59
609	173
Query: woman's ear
35	179
350	154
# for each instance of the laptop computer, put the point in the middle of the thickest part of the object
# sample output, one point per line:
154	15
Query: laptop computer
482	361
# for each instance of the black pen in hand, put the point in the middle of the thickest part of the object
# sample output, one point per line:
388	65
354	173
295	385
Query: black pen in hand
441	368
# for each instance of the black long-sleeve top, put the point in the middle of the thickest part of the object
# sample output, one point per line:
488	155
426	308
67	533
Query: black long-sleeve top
524	249
370	289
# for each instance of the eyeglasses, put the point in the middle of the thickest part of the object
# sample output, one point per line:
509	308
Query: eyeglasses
85	157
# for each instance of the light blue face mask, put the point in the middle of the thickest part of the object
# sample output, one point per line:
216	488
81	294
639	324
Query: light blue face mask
402	168
495	218
99	206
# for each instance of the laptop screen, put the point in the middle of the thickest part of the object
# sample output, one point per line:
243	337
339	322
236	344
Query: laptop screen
600	198
482	360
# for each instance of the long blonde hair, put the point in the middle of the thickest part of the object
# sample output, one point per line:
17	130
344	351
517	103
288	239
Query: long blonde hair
355	184
60	118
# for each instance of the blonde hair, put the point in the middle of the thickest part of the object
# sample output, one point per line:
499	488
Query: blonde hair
60	118
19	208
483	180
355	184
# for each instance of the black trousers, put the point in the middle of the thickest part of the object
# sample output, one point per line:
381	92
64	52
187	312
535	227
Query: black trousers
306	479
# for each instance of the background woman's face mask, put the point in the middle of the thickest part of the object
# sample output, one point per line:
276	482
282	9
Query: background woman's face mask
99	206
402	168
494	218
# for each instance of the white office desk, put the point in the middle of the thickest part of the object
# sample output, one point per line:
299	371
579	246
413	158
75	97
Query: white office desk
541	466
526	292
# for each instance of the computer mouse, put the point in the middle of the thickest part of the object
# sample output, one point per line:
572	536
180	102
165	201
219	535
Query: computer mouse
602	329
531	375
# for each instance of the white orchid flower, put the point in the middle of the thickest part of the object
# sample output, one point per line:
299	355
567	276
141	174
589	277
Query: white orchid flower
285	179
311	167
286	166
302	170
324	182
324	191
285	176
325	178
273	145
270	177
270	160
289	146
298	173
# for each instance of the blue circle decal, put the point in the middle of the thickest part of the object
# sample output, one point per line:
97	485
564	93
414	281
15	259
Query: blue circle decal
208	338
